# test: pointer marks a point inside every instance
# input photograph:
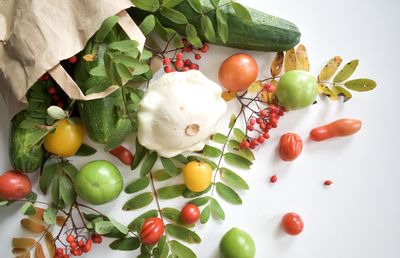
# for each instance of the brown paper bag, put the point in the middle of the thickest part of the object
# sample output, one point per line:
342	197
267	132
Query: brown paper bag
35	35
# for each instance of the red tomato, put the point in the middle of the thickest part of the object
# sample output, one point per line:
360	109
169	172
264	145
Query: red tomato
292	223
14	185
290	146
190	213
238	72
123	154
152	230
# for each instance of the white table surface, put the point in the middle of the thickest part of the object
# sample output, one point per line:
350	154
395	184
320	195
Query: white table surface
358	216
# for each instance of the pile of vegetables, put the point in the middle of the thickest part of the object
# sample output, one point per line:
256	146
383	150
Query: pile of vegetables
174	120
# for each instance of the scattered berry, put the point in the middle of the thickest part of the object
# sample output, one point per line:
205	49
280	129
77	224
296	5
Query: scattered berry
72	59
45	77
60	104
51	90
328	182
273	179
197	56
204	49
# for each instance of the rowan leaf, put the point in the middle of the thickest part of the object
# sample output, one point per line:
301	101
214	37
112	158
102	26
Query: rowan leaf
23	242
277	64
360	85
289	63
137	185
191	34
228	194
169	167
208	28
173	15
47	176
171	3
39	251
121	228
105	28
148	163
50	243
255	87
27	209
189	194
140	153
147	5
182	233
103	227
170	192
205	214
122	129
200	201
239	134
181	159
139	201
241	11
340	91
323	89
67	192
32	225
302	62
60	220
222	25
346	71
126	45
49	216
180	250
85	150
233	179
196	5
211	151
236	160
219	138
216	209
329	69
232	121
125	244
19	251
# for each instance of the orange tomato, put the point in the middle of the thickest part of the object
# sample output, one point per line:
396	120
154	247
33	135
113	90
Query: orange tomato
238	72
197	176
338	128
14	185
66	139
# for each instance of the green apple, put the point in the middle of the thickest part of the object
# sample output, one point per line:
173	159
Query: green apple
296	89
98	182
237	243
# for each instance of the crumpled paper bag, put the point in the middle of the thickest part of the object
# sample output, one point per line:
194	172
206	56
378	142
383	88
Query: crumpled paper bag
36	34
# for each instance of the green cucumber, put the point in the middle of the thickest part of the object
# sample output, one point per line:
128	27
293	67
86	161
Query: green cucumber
23	157
264	33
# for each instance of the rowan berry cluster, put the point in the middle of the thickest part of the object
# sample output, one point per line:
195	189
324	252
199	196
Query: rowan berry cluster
77	245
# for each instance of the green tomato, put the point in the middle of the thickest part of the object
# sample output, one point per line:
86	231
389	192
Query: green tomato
237	243
296	89
98	182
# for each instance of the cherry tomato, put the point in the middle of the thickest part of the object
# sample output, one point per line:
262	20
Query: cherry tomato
290	146
338	128
238	72
123	154
190	213
66	139
14	185
152	230
197	176
292	223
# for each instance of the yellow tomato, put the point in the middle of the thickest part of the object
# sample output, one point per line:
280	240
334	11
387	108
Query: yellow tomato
197	176
66	139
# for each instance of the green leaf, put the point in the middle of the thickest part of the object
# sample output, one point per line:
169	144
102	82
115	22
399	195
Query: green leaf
189	194
105	28
346	71
160	175
30	123
191	34
2	203
232	121
70	170
127	45
171	3
67	190
162	247
173	15
165	33
217	210
169	167
236	160
200	201
129	61
113	73
32	197
147	5
136	225
47	176
122	129
208	28
36	136
233	179
55	191
148	163
215	3
228	194
124	72
360	84
119	226
340	91
115	233
125	244
239	134
182	233
234	145
197	158
247	154
181	159
219	138
205	214
137	185
181	251
241	11
97	88
103	227
196	5
85	150
26	209
211	151
140	153
146	54
49	216
139	201
170	192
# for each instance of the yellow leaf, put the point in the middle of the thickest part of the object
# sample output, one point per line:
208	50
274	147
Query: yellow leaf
38	214
32	225
277	64
290	60
228	95
89	57
39	251
267	97
255	87
340	91
25	255
50	243
302	62
23	242
19	251
329	69
60	220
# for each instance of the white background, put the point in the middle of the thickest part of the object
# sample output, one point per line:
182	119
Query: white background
358	216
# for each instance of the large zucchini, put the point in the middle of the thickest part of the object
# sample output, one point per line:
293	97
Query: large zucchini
264	33
23	157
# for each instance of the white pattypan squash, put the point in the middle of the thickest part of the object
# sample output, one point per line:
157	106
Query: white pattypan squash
179	113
